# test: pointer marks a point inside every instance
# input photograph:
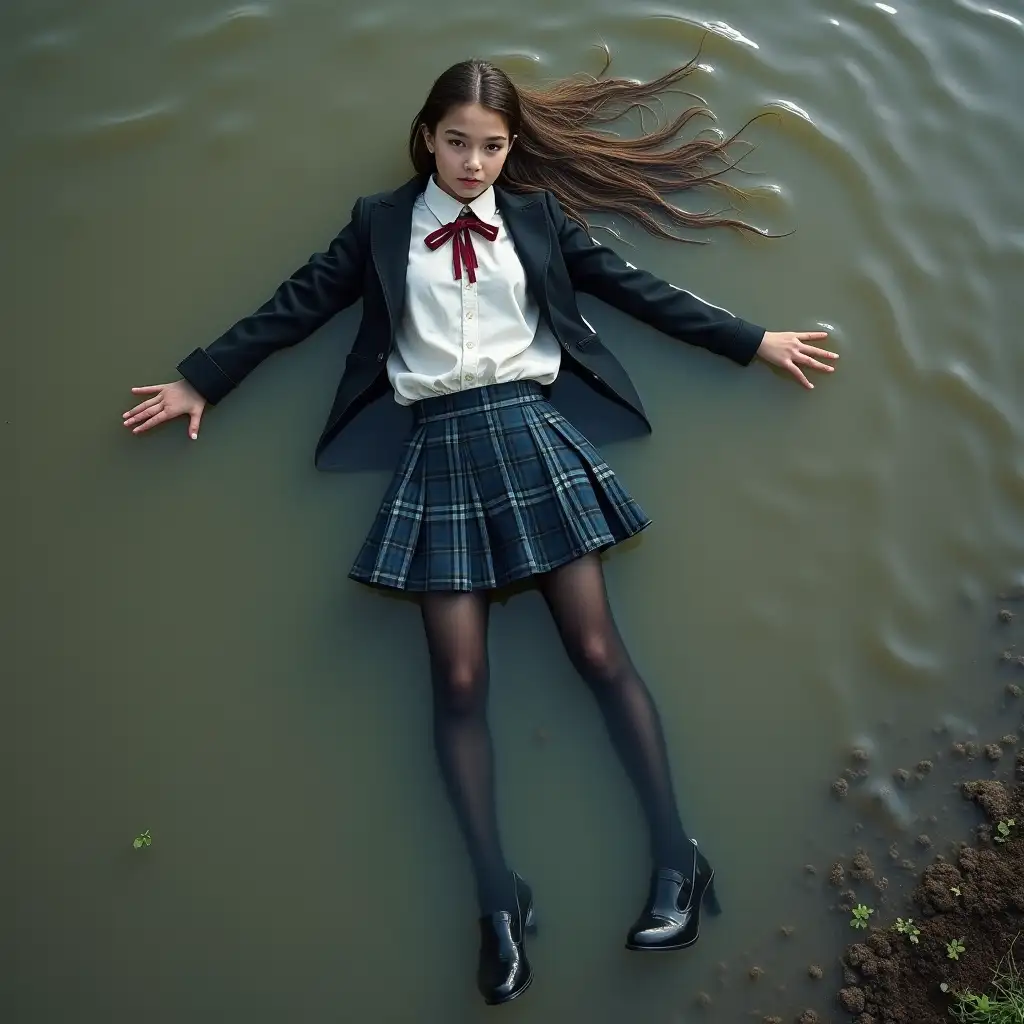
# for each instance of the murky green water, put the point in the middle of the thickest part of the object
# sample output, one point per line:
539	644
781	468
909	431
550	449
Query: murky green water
188	656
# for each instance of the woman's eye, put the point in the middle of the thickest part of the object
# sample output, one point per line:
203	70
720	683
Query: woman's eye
455	142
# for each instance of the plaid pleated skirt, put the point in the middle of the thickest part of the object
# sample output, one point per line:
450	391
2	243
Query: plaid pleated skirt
494	485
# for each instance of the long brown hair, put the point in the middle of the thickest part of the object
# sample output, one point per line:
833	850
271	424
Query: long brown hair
558	147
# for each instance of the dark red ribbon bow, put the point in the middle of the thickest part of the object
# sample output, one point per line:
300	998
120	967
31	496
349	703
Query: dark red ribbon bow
463	254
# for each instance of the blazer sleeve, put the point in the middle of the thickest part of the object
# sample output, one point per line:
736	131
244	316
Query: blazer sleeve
328	282
599	270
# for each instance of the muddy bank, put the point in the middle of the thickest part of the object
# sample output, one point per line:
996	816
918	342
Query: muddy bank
974	898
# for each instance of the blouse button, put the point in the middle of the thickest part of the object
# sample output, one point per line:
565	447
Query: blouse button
470	344
469	376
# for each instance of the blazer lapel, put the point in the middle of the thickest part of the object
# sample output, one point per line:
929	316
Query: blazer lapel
390	231
524	217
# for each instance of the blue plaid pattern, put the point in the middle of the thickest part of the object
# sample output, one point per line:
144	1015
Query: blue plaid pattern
494	485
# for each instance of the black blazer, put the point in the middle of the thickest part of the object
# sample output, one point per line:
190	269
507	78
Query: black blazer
368	260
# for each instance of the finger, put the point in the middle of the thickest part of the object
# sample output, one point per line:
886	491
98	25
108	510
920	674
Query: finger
132	413
805	360
149	414
798	373
145	414
153	421
821	353
193	425
149	389
812	335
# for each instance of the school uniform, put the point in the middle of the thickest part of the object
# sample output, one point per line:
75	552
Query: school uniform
469	315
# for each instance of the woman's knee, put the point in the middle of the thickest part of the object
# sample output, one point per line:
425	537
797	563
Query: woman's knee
599	657
460	688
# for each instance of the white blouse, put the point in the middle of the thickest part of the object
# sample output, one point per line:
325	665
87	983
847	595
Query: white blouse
456	334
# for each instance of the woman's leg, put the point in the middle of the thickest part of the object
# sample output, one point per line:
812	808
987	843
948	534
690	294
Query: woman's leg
456	626
578	600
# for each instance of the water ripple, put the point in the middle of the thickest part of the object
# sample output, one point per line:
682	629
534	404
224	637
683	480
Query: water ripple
991	12
132	128
964	391
792	108
54	42
231	27
721	28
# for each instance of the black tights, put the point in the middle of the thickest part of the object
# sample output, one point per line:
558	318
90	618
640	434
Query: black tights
456	627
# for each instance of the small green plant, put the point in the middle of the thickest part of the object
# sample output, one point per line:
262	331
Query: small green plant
860	917
1004	1006
909	929
979	1004
1003	830
143	839
954	948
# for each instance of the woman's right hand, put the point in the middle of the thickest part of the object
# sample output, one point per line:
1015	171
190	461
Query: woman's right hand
166	402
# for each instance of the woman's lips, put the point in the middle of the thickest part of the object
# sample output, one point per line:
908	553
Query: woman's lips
472	182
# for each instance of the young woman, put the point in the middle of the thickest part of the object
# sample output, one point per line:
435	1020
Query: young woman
468	275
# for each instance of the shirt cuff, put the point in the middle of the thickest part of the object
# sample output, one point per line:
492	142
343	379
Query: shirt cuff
744	342
205	376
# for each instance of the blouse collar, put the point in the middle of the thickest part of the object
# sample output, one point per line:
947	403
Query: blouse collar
446	208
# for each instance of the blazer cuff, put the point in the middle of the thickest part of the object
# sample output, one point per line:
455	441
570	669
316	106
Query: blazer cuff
744	342
205	376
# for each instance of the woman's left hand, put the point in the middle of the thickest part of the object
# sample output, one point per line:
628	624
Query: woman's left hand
790	351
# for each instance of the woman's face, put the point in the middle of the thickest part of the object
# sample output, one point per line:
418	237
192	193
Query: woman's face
470	146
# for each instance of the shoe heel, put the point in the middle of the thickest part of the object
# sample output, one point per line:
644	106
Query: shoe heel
530	923
711	904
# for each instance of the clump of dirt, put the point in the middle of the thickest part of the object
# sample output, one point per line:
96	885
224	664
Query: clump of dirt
976	898
852	1000
993	797
861	869
840	788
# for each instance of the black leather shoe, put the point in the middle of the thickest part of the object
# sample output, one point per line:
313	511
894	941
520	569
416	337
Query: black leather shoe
504	972
671	919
